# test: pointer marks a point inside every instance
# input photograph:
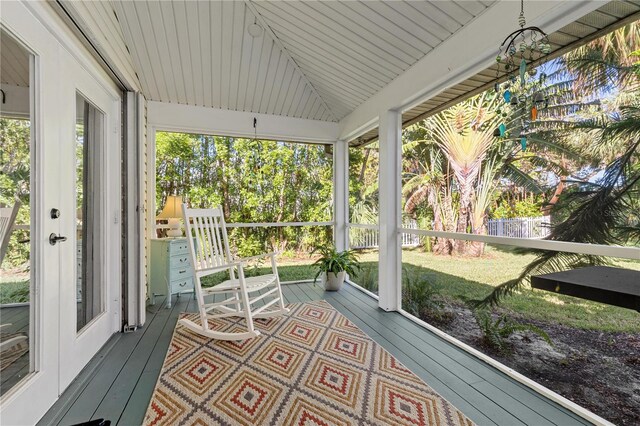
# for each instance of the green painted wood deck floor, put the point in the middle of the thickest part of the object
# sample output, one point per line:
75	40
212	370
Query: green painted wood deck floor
117	384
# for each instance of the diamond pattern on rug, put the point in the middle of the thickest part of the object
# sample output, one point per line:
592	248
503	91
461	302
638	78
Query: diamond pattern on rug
164	410
200	371
248	399
343	324
334	381
266	325
280	358
301	332
347	347
311	367
398	404
315	314
304	412
180	347
390	366
239	348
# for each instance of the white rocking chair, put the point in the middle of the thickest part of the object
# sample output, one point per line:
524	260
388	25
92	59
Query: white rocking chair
7	219
209	247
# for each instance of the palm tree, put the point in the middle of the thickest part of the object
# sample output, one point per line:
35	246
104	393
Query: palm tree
428	179
464	137
605	211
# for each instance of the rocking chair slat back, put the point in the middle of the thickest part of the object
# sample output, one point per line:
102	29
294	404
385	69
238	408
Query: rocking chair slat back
208	237
7	218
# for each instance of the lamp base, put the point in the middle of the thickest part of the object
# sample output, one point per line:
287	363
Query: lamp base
174	228
173	233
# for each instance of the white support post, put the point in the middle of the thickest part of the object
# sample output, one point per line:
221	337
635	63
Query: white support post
341	195
389	275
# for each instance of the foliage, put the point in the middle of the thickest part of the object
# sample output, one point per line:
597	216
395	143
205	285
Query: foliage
15	184
495	333
363	184
506	209
446	156
599	211
334	261
254	181
367	277
421	298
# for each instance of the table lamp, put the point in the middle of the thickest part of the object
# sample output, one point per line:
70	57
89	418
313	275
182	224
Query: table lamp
172	211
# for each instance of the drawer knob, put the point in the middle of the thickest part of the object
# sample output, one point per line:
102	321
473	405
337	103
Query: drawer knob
183	284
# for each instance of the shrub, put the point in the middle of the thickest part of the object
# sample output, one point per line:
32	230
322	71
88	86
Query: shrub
495	333
422	299
367	278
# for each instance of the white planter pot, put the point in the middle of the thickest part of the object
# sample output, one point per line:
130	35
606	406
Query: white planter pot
333	282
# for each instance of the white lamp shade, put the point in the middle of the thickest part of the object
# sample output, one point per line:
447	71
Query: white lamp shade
172	208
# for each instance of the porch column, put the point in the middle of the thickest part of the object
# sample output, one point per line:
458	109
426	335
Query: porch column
390	215
341	195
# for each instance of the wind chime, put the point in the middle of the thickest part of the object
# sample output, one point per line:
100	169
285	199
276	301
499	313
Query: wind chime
522	89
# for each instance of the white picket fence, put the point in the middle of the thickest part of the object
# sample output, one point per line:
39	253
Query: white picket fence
520	227
361	238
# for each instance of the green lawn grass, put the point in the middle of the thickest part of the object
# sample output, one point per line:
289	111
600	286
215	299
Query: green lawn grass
13	290
459	278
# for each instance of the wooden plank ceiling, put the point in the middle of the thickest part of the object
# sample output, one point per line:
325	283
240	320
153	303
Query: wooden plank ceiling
599	22
315	60
97	20
14	62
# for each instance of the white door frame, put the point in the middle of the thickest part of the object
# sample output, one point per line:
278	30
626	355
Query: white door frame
77	348
42	32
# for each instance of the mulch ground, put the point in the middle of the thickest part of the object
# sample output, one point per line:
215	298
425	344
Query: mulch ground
597	370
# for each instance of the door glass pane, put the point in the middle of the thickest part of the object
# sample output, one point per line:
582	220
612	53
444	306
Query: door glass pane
15	218
89	285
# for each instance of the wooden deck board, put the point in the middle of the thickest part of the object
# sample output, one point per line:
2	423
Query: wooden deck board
18	317
119	382
535	401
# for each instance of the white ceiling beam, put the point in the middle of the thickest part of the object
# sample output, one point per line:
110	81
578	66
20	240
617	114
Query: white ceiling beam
213	121
472	49
16	102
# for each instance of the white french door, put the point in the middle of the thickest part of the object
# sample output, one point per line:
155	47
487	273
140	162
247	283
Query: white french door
90	217
74	204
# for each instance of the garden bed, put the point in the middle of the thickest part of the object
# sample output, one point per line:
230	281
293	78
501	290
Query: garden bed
598	370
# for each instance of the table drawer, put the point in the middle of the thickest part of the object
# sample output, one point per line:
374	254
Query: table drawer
180	261
180	273
185	284
178	247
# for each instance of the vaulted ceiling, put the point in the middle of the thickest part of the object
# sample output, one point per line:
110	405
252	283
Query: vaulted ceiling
314	59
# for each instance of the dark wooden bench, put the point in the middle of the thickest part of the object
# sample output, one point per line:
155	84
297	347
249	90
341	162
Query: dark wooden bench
604	284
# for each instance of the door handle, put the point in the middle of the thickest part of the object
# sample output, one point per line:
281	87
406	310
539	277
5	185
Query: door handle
53	239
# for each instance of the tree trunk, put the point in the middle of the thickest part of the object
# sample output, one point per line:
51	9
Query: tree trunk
460	246
442	246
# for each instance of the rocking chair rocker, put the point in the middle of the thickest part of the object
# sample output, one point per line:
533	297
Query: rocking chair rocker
209	248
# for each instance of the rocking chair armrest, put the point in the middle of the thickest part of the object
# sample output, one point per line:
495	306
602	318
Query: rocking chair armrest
230	265
259	256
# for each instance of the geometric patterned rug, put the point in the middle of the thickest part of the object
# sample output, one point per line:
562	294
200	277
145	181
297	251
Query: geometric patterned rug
310	367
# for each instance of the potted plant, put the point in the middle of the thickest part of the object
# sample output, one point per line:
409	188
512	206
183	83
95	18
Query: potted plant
334	266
